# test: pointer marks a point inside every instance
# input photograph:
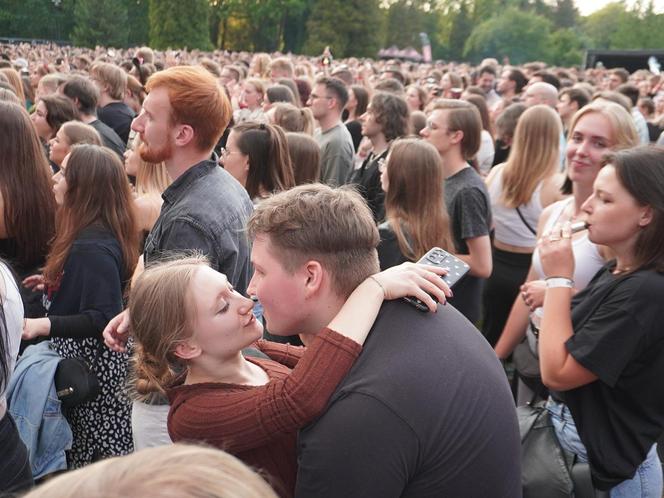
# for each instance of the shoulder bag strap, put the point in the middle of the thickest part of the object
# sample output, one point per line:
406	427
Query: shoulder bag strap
534	232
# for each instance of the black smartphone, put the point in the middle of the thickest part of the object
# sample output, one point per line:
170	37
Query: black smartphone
456	270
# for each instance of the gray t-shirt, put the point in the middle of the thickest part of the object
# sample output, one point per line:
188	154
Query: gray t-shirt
336	155
468	206
425	412
469	209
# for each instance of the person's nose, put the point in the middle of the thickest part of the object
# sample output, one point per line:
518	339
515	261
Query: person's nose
583	147
137	123
251	288
587	206
246	305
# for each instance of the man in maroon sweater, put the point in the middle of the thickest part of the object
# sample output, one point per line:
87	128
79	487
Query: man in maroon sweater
425	411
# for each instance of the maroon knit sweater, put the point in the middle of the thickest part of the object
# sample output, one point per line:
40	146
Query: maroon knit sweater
258	424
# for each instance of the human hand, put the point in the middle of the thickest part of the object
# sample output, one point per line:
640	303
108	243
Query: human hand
34	282
532	293
414	280
35	327
116	333
555	250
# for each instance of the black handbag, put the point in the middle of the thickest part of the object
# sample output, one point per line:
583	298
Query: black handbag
527	368
75	381
545	466
547	470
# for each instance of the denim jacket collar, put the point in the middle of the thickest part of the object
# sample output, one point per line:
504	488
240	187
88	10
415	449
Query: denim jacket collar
179	187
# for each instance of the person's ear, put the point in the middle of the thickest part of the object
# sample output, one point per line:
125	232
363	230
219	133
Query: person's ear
313	274
332	103
187	350
646	216
456	137
183	135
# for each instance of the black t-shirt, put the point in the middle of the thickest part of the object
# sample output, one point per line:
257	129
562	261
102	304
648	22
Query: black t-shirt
618	335
389	252
355	130
118	116
469	209
426	411
109	138
367	179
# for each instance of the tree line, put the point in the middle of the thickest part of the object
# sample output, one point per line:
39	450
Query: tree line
469	30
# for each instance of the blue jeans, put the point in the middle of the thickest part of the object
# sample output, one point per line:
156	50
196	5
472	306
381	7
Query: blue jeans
647	481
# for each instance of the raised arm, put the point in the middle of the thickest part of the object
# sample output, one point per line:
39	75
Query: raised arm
287	404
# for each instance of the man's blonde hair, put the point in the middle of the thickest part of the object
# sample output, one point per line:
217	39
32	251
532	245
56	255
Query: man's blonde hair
284	65
114	78
333	226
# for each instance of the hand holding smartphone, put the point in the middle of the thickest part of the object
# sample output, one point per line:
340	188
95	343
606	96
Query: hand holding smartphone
457	269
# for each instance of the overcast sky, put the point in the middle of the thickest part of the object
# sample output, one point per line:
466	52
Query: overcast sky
589	6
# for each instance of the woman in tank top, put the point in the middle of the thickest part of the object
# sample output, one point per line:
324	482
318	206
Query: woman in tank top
519	189
595	130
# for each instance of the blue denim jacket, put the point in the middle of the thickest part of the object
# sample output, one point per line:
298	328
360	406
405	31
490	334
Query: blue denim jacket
36	409
206	211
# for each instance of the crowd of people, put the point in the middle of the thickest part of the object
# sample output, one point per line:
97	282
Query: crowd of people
221	241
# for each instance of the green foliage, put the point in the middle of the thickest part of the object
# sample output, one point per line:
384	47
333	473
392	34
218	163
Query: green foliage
39	19
179	24
295	26
406	19
521	36
259	25
461	30
100	21
565	14
349	27
548	30
137	22
567	47
615	27
601	26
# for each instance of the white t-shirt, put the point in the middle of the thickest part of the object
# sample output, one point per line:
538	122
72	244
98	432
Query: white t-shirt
486	153
13	309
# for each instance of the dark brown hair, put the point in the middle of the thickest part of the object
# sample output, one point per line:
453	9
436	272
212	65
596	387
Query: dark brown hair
86	204
270	168
59	110
304	152
414	203
28	212
641	171
337	88
362	99
480	102
280	93
391	112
